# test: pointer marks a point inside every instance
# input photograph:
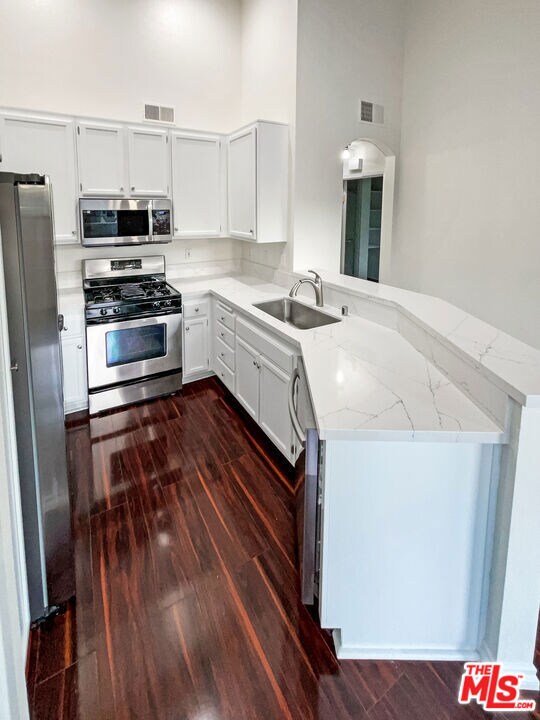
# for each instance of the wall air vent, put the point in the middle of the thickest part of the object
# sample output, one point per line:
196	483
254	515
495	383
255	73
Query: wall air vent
159	113
370	112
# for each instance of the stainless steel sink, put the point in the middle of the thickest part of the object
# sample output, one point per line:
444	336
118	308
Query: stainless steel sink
296	313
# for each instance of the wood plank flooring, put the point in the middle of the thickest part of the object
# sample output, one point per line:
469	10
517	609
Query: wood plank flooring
187	600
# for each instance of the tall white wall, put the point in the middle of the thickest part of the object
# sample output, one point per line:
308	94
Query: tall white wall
268	91
468	209
347	50
107	58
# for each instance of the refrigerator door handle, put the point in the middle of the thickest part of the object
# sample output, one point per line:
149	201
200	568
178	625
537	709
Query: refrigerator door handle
292	410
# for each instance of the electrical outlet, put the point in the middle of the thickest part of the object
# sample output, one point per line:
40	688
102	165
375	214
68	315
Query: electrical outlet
188	253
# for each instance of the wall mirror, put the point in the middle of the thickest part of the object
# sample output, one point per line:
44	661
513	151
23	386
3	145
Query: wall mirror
368	199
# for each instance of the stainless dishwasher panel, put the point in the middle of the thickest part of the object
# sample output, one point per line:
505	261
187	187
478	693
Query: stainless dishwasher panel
307	485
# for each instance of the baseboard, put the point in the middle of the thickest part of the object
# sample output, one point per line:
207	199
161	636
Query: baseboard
360	652
71	407
197	376
530	678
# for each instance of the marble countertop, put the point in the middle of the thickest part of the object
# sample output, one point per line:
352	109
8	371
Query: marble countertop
366	381
510	364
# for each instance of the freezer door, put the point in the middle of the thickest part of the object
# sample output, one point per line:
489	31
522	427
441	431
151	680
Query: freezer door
27	243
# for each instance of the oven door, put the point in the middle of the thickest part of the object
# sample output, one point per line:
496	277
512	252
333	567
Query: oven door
128	350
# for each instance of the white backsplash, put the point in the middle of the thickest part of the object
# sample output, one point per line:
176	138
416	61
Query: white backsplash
183	258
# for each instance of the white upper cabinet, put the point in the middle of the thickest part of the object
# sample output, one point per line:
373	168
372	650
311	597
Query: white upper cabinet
149	162
242	188
258	175
196	185
102	162
44	145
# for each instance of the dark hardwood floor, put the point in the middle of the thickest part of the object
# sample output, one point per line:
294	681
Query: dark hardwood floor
187	600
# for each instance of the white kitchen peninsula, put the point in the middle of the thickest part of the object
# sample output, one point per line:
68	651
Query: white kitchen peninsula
430	467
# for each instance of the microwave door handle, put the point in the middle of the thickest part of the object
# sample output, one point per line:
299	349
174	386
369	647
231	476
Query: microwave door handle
292	410
150	221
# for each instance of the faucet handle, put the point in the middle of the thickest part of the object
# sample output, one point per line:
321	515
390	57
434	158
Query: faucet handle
318	278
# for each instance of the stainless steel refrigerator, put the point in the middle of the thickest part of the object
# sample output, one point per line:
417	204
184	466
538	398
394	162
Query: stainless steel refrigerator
27	236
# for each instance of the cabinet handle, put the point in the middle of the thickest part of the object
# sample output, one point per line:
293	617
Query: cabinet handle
221	354
175	229
196	309
14	367
79	347
222	318
222	334
187	328
73	232
133	188
121	189
251	232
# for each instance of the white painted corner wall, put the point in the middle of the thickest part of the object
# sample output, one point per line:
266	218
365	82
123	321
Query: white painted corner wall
467	212
347	51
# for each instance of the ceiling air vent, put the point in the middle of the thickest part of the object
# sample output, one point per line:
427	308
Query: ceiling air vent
159	113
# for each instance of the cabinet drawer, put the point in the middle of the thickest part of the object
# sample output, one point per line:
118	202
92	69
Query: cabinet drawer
195	308
225	354
225	315
224	374
224	334
266	344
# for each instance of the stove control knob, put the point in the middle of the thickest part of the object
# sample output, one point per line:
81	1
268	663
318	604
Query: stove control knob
116	310
156	304
168	303
103	311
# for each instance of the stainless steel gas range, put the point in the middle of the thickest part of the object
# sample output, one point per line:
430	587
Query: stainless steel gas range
133	331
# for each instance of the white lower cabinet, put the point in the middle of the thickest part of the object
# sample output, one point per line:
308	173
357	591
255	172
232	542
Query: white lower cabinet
73	347
247	377
273	406
195	346
256	367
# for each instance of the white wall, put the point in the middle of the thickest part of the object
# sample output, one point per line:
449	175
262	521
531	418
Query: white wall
108	57
268	90
468	210
268	65
104	58
347	50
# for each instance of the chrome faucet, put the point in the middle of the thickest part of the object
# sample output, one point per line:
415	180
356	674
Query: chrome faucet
316	284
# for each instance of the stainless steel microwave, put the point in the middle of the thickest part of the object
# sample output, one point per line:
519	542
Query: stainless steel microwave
109	221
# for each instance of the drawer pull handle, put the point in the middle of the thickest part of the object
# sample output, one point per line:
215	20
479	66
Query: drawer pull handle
221	354
222	318
196	309
222	334
187	328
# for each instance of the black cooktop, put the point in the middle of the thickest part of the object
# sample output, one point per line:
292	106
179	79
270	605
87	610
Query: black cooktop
129	297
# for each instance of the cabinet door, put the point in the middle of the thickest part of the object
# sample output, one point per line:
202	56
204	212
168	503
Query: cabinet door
195	346
74	370
273	407
33	144
102	162
149	162
247	377
196	176
242	188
